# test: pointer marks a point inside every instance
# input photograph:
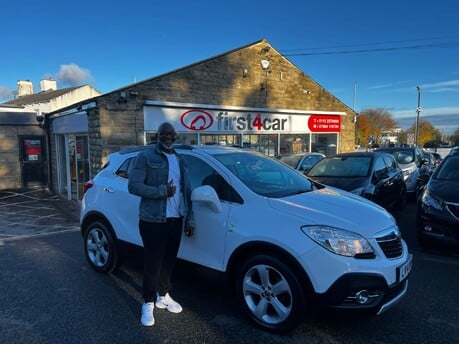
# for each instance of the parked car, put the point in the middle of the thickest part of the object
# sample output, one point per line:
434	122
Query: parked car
437	215
302	161
437	157
428	164
375	176
287	242
410	160
454	150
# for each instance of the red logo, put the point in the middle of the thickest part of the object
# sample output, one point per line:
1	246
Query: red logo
197	120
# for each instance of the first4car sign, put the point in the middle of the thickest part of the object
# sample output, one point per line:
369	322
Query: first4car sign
211	120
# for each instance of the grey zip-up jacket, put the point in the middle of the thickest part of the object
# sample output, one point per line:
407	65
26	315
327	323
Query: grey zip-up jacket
148	179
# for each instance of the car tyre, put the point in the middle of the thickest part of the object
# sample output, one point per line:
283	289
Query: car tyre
270	293
100	247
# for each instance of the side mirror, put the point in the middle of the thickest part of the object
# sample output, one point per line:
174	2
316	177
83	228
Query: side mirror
380	175
423	178
206	194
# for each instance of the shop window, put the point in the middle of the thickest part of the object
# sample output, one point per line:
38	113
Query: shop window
294	143
324	143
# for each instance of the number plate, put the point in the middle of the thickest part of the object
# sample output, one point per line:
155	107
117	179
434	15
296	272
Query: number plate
404	270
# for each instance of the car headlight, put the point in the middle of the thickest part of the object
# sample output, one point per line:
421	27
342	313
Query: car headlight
407	173
430	201
338	241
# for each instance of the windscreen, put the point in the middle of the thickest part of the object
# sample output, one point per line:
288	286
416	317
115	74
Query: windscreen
341	167
264	175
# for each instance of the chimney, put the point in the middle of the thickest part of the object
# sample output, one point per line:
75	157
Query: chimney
25	87
48	84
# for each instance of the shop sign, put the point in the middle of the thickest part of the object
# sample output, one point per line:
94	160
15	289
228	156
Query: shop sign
198	120
227	121
324	123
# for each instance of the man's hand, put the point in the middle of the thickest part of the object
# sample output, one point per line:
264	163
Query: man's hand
171	188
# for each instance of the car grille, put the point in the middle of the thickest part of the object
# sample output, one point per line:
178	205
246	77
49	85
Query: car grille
454	209
391	245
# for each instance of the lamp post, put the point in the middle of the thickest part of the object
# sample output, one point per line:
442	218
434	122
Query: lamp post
418	110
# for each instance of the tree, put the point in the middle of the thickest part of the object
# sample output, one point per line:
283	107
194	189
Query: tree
427	132
455	137
371	123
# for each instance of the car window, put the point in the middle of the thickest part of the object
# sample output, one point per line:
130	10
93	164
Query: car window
390	163
403	156
264	175
200	173
291	160
380	166
309	161
448	169
125	168
341	167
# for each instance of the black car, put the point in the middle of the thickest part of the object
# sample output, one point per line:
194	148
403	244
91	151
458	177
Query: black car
373	175
437	215
302	161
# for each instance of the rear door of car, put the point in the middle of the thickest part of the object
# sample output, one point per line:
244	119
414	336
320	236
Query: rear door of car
122	206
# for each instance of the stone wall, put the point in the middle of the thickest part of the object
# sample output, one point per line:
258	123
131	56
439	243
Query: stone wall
232	79
10	167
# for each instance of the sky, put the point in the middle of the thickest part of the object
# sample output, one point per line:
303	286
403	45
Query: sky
369	54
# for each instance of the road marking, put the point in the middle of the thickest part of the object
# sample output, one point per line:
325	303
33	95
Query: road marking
38	235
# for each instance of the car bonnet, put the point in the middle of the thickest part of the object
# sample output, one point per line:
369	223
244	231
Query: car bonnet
345	183
336	209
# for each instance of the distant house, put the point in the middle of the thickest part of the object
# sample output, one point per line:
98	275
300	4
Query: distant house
24	148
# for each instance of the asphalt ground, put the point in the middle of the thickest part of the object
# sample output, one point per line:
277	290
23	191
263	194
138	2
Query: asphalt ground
35	212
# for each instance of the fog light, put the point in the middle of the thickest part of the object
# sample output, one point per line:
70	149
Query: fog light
362	297
428	228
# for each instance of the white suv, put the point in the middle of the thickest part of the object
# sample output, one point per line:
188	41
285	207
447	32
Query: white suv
288	243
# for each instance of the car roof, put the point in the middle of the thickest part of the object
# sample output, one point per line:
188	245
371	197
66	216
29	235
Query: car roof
390	149
209	149
363	154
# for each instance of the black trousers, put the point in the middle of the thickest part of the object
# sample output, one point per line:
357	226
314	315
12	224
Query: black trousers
161	242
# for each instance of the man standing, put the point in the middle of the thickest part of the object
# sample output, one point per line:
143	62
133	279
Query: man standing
159	178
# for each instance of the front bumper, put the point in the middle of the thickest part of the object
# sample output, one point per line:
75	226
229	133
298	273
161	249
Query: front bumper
438	225
363	292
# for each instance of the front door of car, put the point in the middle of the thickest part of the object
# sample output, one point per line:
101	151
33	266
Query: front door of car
207	245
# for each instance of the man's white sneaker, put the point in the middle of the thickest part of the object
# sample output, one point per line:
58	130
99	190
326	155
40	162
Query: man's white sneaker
147	314
166	301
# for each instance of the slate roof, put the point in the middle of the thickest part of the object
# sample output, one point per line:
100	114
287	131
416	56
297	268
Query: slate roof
42	97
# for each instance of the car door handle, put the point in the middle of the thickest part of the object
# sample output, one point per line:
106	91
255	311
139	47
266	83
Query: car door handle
108	189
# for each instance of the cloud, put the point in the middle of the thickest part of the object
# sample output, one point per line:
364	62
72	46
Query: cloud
378	87
72	74
5	93
441	84
453	110
436	87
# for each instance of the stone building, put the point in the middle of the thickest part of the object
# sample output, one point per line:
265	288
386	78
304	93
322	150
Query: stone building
251	96
24	145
